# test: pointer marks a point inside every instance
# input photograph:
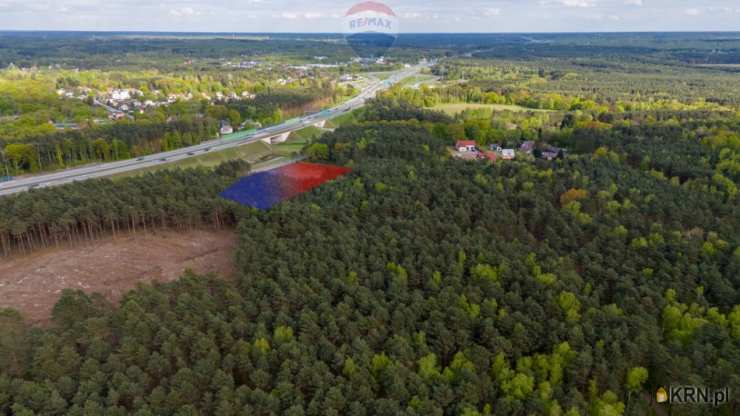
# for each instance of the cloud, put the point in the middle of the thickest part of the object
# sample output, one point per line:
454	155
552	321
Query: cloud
184	12
411	15
567	3
577	3
288	15
297	15
318	15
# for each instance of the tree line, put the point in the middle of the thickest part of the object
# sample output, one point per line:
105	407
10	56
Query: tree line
117	141
84	211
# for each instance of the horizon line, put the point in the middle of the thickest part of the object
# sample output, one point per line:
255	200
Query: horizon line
341	34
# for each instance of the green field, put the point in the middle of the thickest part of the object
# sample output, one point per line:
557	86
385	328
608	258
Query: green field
297	140
453	109
343	119
418	80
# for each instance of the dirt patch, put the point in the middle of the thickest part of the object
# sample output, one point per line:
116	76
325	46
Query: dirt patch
32	283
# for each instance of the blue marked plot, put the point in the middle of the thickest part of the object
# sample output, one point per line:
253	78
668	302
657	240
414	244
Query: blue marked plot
261	190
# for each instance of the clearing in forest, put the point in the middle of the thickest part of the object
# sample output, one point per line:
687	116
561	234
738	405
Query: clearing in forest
32	283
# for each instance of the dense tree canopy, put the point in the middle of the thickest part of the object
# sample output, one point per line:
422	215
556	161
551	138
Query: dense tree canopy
419	285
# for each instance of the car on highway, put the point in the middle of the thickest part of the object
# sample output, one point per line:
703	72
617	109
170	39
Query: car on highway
140	159
191	153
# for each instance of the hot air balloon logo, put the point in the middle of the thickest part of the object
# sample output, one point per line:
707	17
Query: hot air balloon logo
370	28
661	396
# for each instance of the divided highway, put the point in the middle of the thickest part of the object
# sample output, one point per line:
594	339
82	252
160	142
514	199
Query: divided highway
114	168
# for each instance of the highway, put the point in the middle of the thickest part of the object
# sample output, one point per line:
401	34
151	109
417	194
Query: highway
114	168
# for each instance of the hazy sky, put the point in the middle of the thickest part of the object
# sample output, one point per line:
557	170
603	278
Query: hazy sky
415	15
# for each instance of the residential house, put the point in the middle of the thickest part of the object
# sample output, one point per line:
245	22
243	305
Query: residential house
226	128
555	149
465	146
491	156
548	155
508	154
495	147
527	147
65	126
64	93
250	124
120	95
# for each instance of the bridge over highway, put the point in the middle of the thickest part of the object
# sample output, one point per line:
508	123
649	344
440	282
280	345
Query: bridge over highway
114	168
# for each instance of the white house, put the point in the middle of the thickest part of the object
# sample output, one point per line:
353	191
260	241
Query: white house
508	154
119	95
465	146
226	128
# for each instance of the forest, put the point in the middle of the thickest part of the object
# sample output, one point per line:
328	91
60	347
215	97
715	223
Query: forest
168	50
418	284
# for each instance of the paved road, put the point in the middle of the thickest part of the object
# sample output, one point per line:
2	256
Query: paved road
114	168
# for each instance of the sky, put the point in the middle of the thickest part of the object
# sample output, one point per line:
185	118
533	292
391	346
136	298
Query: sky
415	16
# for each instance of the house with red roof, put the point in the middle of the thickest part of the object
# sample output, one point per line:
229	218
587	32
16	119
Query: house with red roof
465	146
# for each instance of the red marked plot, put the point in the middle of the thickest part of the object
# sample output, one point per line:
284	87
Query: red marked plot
266	189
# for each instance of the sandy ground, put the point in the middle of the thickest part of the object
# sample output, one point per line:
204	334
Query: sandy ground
32	283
